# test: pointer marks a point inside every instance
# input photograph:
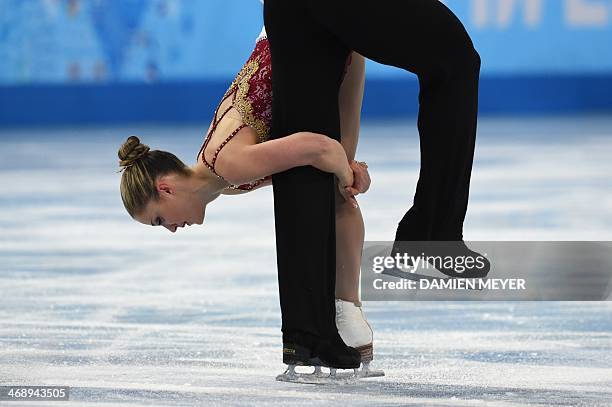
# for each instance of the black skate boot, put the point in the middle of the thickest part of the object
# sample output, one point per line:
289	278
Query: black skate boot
298	355
333	354
437	254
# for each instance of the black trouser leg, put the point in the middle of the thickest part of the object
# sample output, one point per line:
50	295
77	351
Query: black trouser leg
426	38
309	42
307	65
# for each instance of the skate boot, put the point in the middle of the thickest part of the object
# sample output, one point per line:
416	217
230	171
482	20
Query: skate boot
357	333
442	249
333	354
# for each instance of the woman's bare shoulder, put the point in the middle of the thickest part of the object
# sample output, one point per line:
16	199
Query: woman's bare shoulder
229	150
228	124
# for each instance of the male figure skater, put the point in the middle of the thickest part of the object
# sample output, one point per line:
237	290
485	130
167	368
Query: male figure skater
309	43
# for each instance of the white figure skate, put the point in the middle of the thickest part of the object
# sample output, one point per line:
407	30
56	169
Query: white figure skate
356	333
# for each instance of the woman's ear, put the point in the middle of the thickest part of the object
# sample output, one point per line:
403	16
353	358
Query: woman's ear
169	183
165	186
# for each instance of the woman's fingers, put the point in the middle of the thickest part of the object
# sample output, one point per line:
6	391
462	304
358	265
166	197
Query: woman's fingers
361	177
352	191
359	182
348	193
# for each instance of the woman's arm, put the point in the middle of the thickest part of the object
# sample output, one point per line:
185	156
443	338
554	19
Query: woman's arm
248	162
350	100
361	182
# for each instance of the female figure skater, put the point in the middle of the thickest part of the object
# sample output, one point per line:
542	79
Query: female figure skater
237	156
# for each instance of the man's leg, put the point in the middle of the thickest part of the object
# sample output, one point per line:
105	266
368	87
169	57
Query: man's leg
426	38
307	65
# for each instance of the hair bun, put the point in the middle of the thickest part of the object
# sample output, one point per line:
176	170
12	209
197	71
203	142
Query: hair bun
131	151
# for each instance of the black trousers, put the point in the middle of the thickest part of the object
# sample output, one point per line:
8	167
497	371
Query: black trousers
309	42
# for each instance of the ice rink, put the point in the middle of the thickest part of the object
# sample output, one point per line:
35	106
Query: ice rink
127	314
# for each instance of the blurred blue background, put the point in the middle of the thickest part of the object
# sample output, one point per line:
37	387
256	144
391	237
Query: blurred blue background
109	61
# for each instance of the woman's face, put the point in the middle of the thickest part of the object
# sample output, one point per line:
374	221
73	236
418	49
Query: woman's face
177	207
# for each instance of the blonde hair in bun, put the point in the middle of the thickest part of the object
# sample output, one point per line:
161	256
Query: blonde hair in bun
131	151
141	167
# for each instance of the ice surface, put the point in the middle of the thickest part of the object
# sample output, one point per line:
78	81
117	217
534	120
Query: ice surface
133	315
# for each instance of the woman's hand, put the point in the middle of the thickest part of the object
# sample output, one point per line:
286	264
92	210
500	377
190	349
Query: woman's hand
361	177
361	182
345	184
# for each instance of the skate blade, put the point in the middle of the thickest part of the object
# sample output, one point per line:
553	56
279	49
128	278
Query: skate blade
303	378
364	374
360	374
323	378
366	371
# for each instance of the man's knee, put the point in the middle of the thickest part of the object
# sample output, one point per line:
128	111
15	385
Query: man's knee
473	59
461	62
464	59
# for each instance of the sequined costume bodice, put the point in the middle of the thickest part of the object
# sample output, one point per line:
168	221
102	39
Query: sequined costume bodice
251	96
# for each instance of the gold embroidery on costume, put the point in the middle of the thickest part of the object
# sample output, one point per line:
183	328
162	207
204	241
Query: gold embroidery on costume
242	103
